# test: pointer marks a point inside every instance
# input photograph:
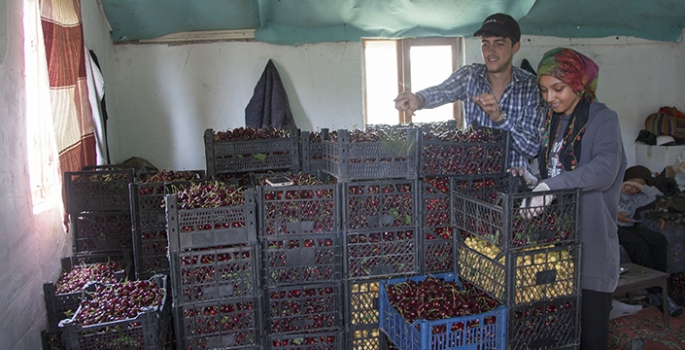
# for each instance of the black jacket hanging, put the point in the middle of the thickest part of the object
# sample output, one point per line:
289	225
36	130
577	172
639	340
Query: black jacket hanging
269	106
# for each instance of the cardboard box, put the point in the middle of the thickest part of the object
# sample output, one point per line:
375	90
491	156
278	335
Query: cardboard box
656	158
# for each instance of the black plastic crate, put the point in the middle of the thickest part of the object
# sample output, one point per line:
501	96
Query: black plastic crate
97	190
444	150
214	274
434	222
311	149
503	222
52	340
382	252
521	276
222	324
549	324
380	204
61	306
147	198
147	330
286	210
94	232
211	227
305	308
361	302
301	259
349	160
151	252
332	340
251	155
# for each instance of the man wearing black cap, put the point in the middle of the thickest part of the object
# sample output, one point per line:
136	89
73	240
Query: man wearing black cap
495	94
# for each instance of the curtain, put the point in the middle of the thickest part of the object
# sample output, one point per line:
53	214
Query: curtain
71	111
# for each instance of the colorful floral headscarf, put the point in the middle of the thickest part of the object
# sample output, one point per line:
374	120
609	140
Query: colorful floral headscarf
573	68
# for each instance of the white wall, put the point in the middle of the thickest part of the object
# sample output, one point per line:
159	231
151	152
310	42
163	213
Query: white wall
166	96
30	245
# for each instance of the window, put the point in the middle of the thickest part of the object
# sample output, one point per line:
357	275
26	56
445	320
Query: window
43	161
390	65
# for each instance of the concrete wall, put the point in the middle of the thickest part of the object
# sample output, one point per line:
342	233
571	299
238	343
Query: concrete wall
166	96
30	245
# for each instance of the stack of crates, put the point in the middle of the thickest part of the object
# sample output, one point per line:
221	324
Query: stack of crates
526	258
214	268
381	240
252	155
99	209
299	233
150	250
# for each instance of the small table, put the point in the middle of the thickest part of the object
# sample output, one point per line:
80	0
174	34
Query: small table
639	277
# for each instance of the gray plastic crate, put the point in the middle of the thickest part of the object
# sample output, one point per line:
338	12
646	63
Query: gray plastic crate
211	227
380	204
311	150
301	259
235	323
101	231
481	151
214	274
348	160
382	252
363	338
251	155
286	210
330	340
502	222
105	190
304	308
549	324
147	330
435	231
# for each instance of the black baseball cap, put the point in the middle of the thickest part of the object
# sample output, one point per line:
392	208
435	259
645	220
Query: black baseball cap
501	24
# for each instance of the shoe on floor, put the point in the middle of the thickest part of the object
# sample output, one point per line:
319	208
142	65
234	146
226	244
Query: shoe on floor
619	309
674	309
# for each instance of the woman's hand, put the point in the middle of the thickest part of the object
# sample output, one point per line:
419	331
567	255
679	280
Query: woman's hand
529	178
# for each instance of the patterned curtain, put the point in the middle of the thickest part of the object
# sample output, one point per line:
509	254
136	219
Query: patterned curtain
71	111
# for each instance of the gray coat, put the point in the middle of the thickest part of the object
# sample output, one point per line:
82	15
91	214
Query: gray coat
599	175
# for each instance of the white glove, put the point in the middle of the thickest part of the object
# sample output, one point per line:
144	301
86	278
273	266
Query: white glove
529	178
532	207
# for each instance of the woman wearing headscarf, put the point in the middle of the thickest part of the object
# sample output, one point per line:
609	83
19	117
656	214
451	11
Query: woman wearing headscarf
582	148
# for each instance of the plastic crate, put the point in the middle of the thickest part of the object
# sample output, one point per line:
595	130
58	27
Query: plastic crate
60	306
147	201
301	259
380	204
361	302
105	231
145	331
52	340
97	190
381	252
550	324
503	223
486	330
211	227
251	155
222	324
521	276
332	340
305	308
311	150
348	160
483	151
290	210
363	338
434	222
214	274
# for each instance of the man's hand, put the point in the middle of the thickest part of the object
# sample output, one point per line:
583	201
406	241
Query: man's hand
631	187
407	102
489	104
623	217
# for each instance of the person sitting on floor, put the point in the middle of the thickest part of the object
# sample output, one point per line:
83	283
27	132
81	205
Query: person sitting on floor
645	247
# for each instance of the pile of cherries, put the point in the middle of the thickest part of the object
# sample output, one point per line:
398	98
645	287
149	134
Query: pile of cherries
75	279
248	133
